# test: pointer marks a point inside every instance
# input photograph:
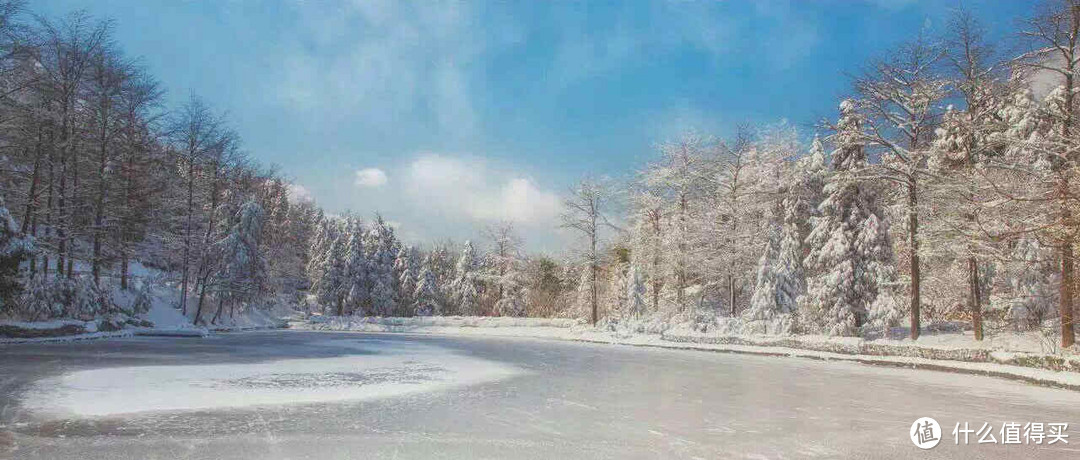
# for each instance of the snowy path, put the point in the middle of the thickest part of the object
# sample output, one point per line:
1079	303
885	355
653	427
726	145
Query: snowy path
404	396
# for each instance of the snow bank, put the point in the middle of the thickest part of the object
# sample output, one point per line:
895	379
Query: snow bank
384	369
956	352
1016	349
38	325
171	332
443	321
69	338
460	325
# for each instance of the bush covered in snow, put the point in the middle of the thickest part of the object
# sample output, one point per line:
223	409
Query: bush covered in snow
60	297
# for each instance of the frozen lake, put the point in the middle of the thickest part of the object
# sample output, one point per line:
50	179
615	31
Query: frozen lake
290	394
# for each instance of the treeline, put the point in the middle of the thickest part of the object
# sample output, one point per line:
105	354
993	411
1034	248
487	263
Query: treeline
360	268
98	174
945	190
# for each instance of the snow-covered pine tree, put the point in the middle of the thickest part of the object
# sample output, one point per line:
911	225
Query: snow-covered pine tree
780	279
243	273
14	248
1031	294
379	247
636	293
764	303
515	295
402	280
356	268
329	286
850	257
318	248
465	289
426	296
408	279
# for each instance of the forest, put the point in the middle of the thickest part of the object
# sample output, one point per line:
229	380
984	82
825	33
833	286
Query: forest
942	194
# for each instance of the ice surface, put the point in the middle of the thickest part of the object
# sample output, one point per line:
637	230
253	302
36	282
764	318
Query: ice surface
386	369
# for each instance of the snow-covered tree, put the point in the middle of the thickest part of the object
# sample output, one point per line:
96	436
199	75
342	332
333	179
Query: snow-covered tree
379	247
679	181
329	287
405	275
1031	294
357	286
900	103
426	296
515	295
586	213
465	288
14	248
850	258
243	274
636	292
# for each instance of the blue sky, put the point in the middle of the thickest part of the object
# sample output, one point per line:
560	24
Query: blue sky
445	116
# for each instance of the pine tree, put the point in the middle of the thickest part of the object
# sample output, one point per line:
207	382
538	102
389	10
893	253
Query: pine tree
379	246
465	289
850	255
329	287
356	268
515	296
1032	291
243	274
14	248
408	280
426	296
636	294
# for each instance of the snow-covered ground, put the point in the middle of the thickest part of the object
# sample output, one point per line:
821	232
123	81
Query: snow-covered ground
162	318
396	368
1018	356
562	400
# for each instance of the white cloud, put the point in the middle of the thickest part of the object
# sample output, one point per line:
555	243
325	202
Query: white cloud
370	177
298	193
469	186
387	57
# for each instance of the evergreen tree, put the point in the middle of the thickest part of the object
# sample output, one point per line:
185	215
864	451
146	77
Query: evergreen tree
426	296
465	289
243	274
379	246
14	248
356	268
329	287
850	257
636	294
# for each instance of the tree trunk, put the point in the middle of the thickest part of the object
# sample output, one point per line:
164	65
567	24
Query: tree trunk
187	235
913	250
593	267
124	271
75	207
656	262
731	293
99	213
1068	337
31	198
681	275
218	314
975	297
204	268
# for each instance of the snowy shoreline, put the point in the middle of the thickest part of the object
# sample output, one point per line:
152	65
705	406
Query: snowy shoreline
946	355
1013	357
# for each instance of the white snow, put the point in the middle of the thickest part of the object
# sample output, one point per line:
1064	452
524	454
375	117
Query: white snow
395	369
68	338
955	352
165	316
52	324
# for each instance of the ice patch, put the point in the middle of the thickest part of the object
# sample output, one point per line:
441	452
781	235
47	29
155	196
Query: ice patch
392	370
